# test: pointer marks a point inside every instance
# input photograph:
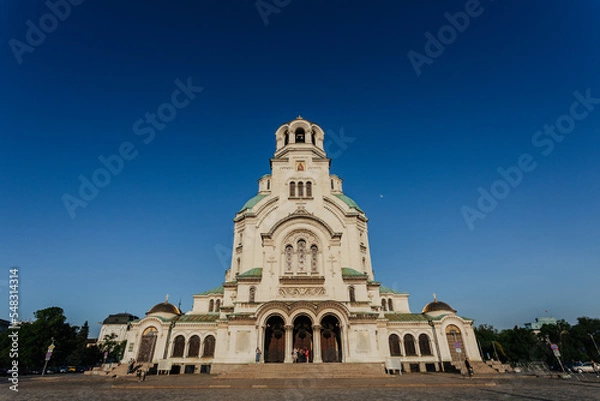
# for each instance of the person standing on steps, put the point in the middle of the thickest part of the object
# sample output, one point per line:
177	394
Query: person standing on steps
307	354
295	355
258	353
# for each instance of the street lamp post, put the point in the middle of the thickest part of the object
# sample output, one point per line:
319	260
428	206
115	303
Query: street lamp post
594	341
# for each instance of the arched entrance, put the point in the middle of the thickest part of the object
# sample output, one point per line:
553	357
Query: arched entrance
303	337
146	351
331	340
455	340
275	340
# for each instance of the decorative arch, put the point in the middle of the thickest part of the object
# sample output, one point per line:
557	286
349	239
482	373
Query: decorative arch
454	337
211	305
351	294
394	343
274	345
178	346
147	345
309	219
425	344
409	345
208	350
194	346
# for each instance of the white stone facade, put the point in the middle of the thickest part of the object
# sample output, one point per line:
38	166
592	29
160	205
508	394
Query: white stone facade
301	277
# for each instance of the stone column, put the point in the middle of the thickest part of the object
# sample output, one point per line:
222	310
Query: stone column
289	340
344	333
260	336
317	343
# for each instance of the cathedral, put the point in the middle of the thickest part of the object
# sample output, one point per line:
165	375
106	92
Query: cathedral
300	279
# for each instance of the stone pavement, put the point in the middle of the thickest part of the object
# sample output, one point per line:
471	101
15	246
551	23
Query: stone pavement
415	386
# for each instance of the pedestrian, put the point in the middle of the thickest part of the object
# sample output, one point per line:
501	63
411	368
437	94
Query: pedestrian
139	374
295	355
258	353
143	374
307	354
468	367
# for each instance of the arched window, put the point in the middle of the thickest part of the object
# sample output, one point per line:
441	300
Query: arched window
300	189
314	142
300	135
217	305
178	347
424	345
331	184
352	294
301	255
209	347
252	295
292	189
211	305
287	138
289	253
409	345
384	305
268	185
394	341
309	189
194	346
314	254
390	305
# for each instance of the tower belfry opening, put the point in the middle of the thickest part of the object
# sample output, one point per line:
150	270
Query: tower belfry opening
300	134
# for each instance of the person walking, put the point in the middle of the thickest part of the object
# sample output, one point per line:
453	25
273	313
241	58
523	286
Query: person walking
307	354
468	367
295	355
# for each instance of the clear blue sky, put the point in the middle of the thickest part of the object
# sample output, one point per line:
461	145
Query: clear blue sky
422	146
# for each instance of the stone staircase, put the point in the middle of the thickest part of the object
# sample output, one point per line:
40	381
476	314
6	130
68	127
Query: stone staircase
108	370
498	366
305	370
483	368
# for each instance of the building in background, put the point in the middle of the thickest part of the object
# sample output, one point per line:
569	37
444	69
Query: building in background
539	322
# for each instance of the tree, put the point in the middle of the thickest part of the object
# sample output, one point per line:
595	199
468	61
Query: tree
35	338
488	340
521	345
114	348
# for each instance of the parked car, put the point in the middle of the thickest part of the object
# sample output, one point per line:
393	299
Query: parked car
63	369
588	367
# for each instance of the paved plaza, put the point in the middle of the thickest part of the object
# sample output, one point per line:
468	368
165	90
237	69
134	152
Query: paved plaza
406	387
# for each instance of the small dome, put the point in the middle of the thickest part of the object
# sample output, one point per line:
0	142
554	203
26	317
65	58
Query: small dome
164	307
437	306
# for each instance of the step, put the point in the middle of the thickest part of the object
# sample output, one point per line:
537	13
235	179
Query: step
306	370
